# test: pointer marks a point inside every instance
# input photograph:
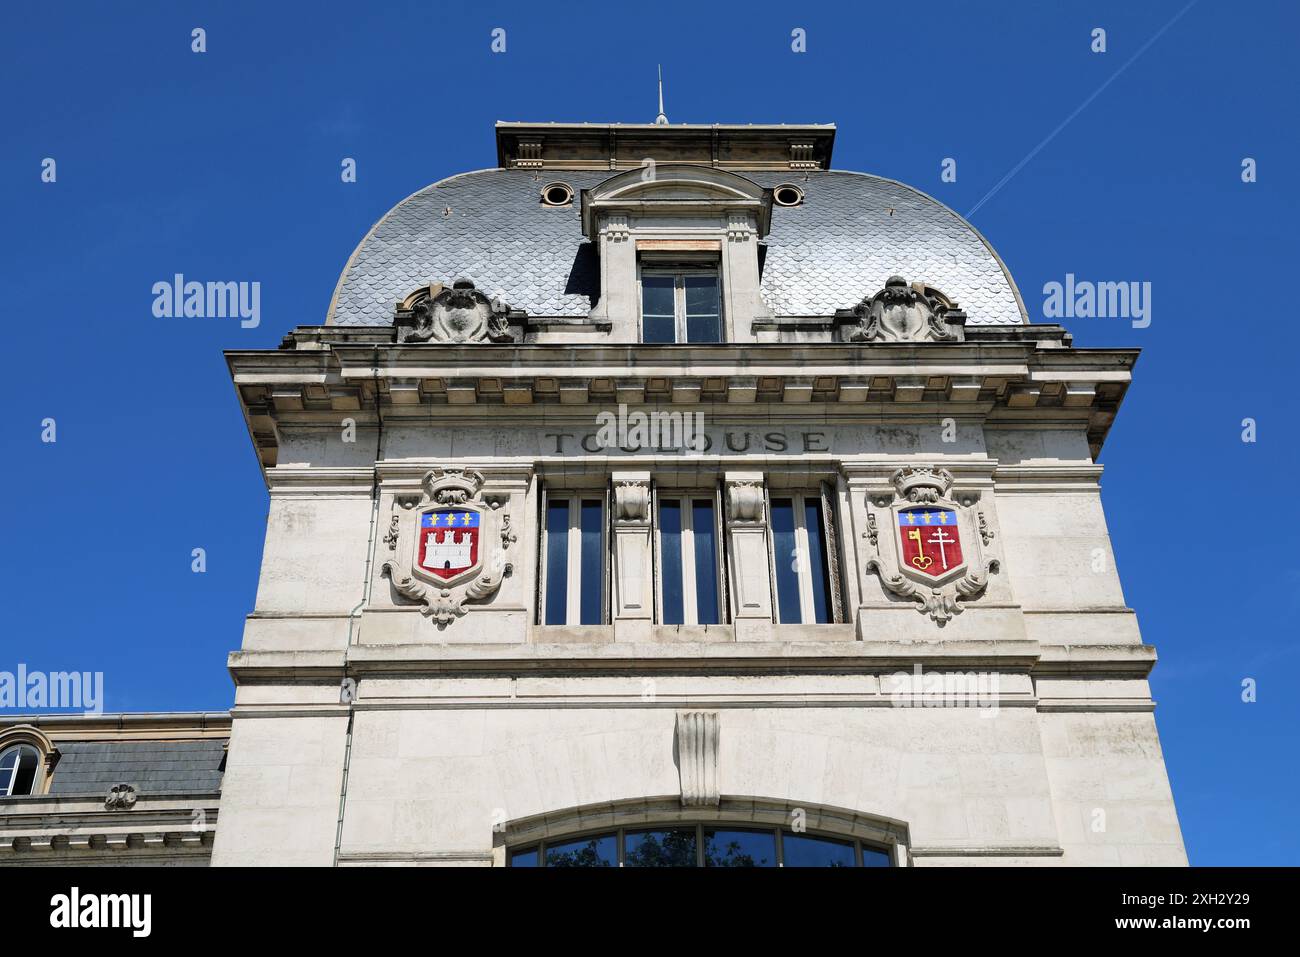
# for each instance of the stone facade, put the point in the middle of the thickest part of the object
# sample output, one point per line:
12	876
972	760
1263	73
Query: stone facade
989	709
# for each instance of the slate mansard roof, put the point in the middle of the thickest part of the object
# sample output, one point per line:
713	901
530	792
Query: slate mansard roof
154	767
851	233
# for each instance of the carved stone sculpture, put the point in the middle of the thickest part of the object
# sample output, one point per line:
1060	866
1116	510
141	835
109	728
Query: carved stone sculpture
908	313
444	559
121	797
452	314
632	502
934	554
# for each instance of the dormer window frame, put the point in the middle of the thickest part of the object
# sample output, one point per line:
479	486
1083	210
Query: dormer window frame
634	216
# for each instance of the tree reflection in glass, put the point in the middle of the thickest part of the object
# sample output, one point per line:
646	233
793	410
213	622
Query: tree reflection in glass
598	851
739	848
675	848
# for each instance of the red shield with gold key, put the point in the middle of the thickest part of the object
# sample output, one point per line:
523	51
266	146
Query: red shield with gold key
930	539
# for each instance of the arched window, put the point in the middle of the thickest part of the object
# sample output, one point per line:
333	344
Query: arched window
700	845
19	770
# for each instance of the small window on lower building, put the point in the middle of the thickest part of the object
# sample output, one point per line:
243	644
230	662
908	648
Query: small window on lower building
690	585
19	767
573	560
802	558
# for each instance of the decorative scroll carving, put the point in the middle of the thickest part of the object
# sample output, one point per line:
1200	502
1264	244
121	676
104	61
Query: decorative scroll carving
697	757
121	797
908	313
453	314
924	518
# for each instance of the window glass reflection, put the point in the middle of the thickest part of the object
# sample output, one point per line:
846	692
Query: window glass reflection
821	581
657	309
669	848
598	851
871	857
786	554
703	844
592	562
670	555
702	313
525	858
739	848
803	850
557	561
706	562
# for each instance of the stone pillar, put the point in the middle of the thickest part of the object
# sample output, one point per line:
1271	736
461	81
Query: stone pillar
744	301
633	604
618	286
748	577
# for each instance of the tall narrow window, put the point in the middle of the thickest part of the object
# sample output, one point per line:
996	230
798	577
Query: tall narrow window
680	306
574	550
688	561
799	554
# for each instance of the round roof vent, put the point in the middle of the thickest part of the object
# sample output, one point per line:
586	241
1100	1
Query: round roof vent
787	194
557	194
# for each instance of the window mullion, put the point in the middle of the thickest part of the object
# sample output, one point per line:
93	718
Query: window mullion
807	606
573	607
690	608
679	305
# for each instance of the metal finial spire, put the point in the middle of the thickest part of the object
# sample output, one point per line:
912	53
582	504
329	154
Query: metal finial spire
661	119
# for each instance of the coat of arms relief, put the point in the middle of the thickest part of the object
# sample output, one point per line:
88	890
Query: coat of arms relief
933	552
444	552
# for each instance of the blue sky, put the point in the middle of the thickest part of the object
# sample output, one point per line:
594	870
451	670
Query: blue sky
226	165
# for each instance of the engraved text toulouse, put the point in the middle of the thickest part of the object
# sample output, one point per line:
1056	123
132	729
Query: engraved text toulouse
737	442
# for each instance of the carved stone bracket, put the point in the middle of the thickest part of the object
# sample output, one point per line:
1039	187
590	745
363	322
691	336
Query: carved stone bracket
907	313
632	503
697	739
745	502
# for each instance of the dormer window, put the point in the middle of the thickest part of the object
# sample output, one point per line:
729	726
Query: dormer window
680	305
667	237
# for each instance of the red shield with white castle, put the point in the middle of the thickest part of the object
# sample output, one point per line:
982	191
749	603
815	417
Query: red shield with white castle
930	539
449	541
